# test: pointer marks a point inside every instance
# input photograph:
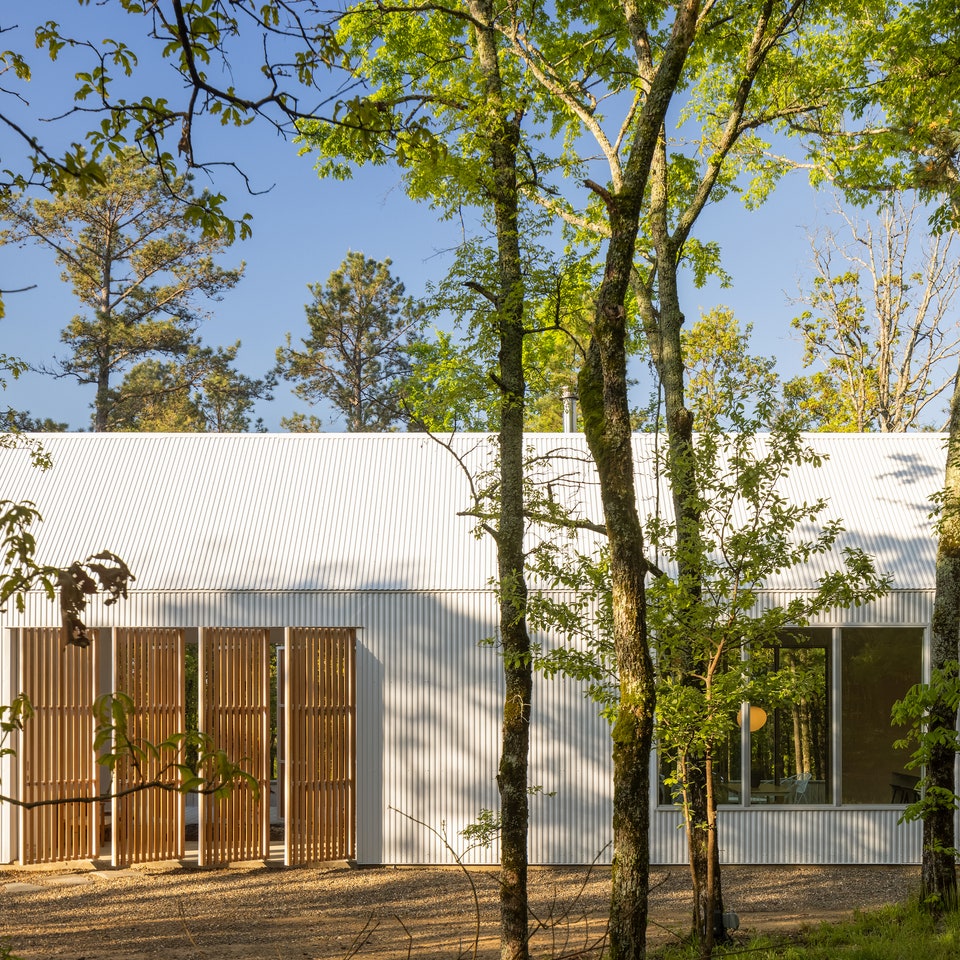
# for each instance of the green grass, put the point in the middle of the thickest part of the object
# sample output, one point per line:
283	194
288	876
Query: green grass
894	933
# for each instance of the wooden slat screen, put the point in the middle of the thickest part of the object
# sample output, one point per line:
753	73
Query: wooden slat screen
56	758
148	665
235	710
320	750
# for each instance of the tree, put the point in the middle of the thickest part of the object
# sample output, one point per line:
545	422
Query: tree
568	73
113	82
762	83
124	247
578	77
720	367
18	421
203	392
878	322
473	93
929	710
707	623
939	874
361	325
899	131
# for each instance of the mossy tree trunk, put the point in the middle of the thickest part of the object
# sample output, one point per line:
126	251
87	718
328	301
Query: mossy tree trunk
938	870
608	429
502	134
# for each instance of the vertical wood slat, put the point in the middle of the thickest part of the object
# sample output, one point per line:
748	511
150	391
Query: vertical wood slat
56	748
320	749
148	667
235	711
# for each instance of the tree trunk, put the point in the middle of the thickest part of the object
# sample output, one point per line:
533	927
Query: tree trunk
504	135
663	327
101	408
938	878
606	424
606	419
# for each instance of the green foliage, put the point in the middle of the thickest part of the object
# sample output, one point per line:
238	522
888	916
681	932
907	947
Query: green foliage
109	80
21	572
355	356
133	260
878	323
199	392
919	711
719	366
897	126
484	830
162	765
12	719
890	933
748	533
449	387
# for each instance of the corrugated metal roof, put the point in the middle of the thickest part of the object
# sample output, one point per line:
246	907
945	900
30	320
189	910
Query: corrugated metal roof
353	511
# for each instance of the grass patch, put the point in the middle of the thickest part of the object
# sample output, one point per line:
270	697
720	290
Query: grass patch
903	932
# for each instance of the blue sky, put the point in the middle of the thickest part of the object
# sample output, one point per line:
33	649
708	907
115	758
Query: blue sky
303	228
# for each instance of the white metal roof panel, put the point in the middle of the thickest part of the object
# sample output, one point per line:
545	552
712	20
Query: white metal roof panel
295	512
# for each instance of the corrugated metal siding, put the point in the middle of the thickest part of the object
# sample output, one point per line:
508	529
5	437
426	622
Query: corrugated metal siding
896	608
238	512
571	765
817	835
428	727
429	701
360	531
346	512
348	608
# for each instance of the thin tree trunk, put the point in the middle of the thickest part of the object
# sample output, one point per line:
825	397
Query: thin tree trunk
663	328
101	409
938	880
504	135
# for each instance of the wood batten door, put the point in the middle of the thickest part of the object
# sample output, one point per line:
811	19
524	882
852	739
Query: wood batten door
56	757
320	745
148	825
234	708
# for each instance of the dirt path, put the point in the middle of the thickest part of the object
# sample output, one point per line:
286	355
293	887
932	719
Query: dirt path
335	911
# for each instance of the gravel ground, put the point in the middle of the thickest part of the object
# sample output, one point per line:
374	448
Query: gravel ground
335	911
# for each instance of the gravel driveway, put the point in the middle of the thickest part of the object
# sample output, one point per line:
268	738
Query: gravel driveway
257	911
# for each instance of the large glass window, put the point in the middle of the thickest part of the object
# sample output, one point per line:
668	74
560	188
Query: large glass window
790	734
792	747
878	666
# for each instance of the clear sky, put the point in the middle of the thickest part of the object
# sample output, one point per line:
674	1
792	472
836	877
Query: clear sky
303	228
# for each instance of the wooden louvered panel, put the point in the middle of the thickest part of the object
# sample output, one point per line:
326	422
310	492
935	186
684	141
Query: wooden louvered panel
56	748
320	749
148	667
235	711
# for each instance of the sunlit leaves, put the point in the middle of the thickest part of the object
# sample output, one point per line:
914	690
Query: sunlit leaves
147	765
21	573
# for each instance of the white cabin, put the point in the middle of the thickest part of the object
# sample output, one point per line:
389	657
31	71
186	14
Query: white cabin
357	544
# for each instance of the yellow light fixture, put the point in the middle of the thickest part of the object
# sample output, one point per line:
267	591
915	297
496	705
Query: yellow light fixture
756	717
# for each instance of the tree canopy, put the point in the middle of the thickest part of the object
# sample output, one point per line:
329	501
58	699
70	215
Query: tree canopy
131	260
355	356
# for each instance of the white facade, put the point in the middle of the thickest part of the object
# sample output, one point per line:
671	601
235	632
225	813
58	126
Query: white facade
366	531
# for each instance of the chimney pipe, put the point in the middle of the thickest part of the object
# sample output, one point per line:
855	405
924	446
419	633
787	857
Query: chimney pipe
569	411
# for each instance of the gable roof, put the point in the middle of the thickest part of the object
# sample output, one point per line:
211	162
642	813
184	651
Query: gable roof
236	512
